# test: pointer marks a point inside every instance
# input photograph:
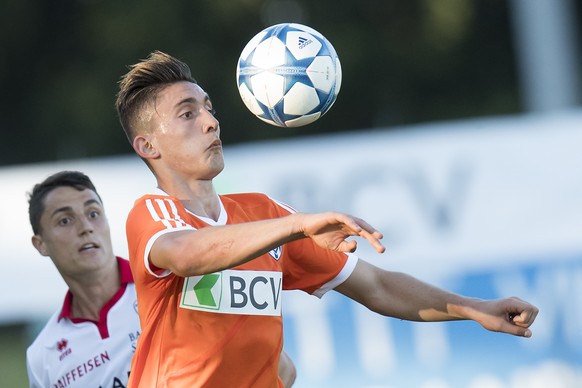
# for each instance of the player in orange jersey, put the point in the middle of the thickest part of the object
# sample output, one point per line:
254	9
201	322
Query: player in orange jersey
90	341
209	268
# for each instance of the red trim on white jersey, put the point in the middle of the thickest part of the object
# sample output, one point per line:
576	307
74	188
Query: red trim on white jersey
125	277
74	353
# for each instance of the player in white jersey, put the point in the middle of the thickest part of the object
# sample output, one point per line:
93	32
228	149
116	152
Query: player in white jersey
90	341
78	352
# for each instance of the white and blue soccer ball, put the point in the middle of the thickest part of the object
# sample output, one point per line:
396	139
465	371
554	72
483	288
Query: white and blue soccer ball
289	75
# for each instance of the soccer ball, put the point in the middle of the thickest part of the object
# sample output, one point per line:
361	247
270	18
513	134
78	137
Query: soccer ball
288	75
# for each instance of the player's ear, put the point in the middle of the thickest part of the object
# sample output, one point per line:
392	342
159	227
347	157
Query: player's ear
39	245
144	147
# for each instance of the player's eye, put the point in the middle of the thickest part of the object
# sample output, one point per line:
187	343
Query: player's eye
94	214
64	221
187	115
209	108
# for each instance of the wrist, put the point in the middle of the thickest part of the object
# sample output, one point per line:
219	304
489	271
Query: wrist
296	227
464	308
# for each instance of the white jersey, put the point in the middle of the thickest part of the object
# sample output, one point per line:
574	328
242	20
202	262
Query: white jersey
73	353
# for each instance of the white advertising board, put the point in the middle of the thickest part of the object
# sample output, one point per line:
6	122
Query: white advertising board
487	208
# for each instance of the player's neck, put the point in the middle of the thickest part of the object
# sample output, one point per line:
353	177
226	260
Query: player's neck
199	197
90	295
209	208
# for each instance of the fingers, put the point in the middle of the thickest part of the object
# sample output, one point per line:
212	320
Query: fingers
372	235
520	311
374	240
351	222
521	316
511	328
501	325
339	226
509	315
363	229
348	246
518	331
524	318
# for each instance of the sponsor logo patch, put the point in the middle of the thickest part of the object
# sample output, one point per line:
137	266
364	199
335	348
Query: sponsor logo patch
234	292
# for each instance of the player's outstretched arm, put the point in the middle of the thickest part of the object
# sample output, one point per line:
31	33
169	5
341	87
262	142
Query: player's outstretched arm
211	249
402	296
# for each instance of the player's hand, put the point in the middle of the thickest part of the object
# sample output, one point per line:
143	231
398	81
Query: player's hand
330	230
509	315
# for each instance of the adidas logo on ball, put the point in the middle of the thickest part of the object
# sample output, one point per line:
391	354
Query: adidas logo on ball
304	42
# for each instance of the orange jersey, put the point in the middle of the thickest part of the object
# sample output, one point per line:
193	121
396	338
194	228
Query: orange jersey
222	329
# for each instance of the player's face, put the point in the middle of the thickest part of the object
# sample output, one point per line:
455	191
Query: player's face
75	232
186	133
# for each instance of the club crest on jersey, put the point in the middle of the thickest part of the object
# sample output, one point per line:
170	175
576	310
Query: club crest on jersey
234	292
276	253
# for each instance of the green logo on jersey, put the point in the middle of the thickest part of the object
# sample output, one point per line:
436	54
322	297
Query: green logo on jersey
203	290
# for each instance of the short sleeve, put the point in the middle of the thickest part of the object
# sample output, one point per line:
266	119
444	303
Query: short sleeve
32	370
150	218
315	270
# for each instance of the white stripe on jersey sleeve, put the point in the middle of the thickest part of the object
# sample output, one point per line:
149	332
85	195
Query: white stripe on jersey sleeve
341	277
146	254
165	214
179	221
171	220
344	273
284	206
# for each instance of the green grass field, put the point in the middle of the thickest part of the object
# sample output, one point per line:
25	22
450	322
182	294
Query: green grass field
13	343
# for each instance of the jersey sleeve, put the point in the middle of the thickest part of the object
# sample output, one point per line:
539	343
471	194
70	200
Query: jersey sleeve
33	369
308	267
150	218
315	270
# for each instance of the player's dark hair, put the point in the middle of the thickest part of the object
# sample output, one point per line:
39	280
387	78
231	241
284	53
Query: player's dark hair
74	179
142	84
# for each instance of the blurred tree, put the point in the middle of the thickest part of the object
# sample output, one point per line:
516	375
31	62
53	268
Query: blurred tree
403	62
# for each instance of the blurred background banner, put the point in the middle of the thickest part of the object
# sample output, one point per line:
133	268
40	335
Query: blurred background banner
488	208
457	132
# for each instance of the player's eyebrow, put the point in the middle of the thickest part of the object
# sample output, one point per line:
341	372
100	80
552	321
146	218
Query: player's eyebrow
69	208
192	100
92	201
61	210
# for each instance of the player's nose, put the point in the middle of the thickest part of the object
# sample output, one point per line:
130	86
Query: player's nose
211	123
85	226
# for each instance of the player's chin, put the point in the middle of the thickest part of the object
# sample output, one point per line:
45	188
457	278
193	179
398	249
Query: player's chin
215	165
